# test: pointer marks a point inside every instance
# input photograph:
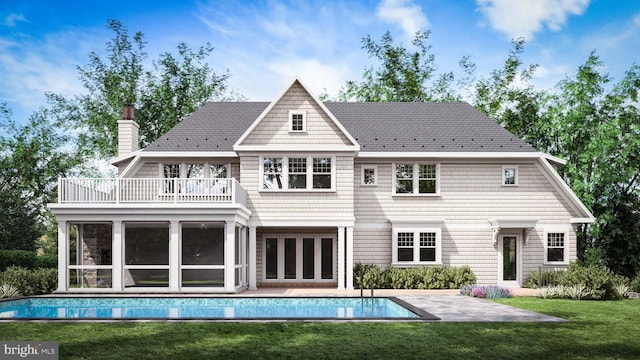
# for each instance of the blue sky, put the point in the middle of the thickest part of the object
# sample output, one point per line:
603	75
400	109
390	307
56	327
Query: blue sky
264	44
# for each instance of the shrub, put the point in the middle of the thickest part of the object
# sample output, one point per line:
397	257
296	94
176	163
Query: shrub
423	277
26	259
635	284
548	278
9	291
600	280
577	292
31	282
621	291
488	292
553	292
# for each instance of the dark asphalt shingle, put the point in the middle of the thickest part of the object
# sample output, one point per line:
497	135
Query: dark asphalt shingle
377	127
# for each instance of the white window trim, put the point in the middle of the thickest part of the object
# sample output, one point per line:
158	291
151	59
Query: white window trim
304	121
416	178
285	173
504	178
416	246
565	261
375	174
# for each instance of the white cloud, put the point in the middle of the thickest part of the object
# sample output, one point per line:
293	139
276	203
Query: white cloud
316	75
11	19
524	18
403	12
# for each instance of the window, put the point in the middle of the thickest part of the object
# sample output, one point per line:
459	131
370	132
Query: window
272	173
427	179
427	246
369	175
509	175
297	121
297	173
301	173
322	173
170	171
416	179
405	246
417	246
198	177
556	247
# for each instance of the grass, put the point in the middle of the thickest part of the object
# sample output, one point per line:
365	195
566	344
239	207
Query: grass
598	330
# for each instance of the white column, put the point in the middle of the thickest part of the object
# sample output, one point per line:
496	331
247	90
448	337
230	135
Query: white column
62	255
252	258
230	256
349	272
117	260
340	257
174	256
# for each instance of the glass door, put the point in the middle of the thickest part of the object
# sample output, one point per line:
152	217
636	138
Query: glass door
509	263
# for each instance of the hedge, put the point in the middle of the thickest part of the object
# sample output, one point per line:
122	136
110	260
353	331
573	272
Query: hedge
26	259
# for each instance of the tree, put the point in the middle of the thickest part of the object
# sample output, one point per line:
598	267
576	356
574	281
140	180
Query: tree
592	124
174	87
507	97
33	156
403	75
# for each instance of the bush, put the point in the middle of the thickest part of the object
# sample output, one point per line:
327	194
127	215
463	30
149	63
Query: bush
635	284
31	282
548	278
434	277
583	282
600	280
26	259
486	292
9	291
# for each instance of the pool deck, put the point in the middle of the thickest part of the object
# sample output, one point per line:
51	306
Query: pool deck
448	305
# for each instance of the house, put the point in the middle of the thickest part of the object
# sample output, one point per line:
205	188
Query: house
294	192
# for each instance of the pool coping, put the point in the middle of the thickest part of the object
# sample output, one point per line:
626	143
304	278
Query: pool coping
423	315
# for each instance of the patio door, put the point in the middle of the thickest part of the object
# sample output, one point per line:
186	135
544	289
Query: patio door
509	260
299	258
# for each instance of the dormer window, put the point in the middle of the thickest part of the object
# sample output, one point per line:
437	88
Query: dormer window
297	121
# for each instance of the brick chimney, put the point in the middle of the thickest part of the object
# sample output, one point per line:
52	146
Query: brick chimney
127	132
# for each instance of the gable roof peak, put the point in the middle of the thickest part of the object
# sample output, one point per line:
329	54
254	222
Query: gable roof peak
238	145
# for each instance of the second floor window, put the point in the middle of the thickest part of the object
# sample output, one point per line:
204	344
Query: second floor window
198	178
297	173
417	179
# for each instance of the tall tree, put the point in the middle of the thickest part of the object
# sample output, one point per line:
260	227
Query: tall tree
32	157
403	74
172	88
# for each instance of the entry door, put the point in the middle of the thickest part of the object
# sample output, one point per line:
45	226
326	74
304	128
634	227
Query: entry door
509	260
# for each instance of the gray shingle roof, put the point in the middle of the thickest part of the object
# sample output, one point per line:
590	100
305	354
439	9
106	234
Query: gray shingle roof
377	127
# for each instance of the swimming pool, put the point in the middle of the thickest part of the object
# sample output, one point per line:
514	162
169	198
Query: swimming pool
194	308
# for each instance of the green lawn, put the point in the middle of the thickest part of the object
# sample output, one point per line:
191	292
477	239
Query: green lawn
602	330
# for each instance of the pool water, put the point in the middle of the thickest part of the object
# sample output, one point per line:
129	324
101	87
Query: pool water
206	308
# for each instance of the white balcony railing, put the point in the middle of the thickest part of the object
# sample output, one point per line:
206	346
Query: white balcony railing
145	190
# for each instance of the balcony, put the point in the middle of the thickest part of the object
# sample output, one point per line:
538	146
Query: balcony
146	190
